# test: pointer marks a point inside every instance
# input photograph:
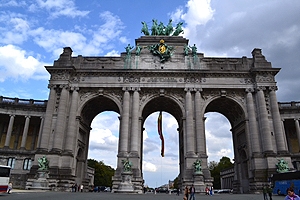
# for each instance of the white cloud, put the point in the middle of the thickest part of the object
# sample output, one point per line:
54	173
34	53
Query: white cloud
17	64
113	53
14	28
199	12
58	8
12	3
149	167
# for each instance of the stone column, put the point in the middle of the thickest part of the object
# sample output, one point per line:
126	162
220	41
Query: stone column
59	133
9	131
40	133
263	116
123	138
72	127
47	131
277	121
34	136
253	127
135	122
200	132
297	131
190	136
25	132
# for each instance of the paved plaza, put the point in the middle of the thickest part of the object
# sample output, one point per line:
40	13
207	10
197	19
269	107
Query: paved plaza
42	195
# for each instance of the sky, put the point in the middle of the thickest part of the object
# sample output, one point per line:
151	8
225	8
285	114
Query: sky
34	32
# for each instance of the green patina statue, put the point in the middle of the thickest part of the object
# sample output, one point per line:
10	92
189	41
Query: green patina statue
128	49
127	165
161	29
138	50
197	166
145	29
43	163
282	166
194	50
178	29
186	50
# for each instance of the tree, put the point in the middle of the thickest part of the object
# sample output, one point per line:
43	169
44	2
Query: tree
103	173
216	167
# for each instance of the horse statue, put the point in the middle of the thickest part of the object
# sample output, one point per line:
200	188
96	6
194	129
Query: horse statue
145	29
154	27
178	29
169	29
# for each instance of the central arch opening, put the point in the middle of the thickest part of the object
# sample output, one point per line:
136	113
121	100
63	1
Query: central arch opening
158	170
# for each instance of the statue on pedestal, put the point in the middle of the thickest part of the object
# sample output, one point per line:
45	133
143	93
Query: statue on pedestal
43	163
197	166
127	165
282	166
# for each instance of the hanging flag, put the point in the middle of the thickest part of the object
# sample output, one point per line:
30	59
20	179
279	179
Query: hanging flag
159	127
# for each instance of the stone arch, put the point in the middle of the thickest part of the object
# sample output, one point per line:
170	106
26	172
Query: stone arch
97	104
163	103
236	115
231	108
108	103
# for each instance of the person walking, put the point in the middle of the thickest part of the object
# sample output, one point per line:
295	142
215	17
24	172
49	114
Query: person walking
269	190
192	192
211	191
265	192
291	195
186	193
9	188
206	190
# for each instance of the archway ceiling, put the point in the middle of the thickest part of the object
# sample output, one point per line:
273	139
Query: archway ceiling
96	106
162	104
228	108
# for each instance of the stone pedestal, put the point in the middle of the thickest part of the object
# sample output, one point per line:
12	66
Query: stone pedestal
41	182
199	182
126	185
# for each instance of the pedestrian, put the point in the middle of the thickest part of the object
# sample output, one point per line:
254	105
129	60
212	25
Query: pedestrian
211	190
178	190
269	190
265	192
192	192
206	190
291	195
81	188
186	193
75	187
9	188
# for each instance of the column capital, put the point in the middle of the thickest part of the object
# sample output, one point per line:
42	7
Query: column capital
125	89
135	89
73	88
27	116
260	88
198	90
64	86
51	86
273	88
12	115
188	89
249	90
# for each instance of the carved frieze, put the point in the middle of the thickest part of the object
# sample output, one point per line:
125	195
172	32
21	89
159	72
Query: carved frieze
265	77
60	76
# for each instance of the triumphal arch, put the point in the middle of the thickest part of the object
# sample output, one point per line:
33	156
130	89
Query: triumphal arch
163	72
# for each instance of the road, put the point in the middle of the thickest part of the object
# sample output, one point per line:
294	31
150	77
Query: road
47	195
